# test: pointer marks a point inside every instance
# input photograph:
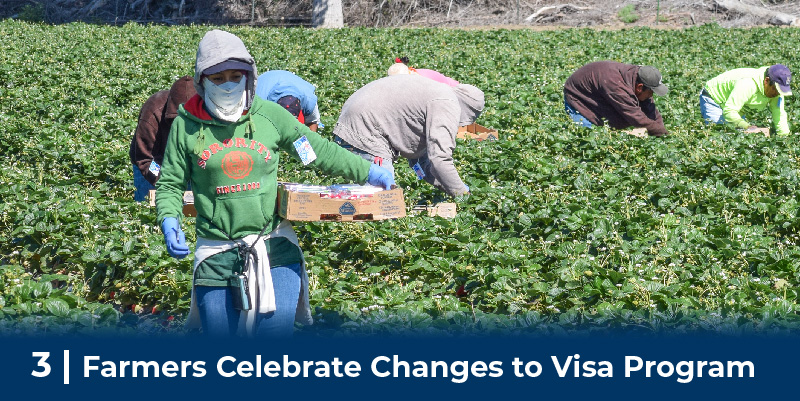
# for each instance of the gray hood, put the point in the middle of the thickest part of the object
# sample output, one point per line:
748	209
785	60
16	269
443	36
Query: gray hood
471	101
219	46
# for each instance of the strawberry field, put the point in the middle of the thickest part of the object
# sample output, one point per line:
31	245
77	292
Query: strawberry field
568	229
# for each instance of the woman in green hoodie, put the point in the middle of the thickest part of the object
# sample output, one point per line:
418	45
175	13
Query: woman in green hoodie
248	269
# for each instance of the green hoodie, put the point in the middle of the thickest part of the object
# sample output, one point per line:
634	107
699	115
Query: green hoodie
233	167
744	87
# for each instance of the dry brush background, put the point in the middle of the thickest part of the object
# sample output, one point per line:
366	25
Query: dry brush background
397	13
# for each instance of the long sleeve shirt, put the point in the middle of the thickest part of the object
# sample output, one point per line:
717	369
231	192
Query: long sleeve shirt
275	84
150	137
742	88
605	90
155	119
409	116
233	167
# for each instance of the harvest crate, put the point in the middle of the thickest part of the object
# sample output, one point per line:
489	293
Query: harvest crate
188	203
443	209
477	132
309	206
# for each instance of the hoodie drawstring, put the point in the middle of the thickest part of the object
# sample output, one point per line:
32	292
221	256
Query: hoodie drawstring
251	129
200	144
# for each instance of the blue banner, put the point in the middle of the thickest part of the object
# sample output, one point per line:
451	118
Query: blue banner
603	367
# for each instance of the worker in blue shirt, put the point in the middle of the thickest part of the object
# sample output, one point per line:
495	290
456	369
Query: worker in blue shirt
293	93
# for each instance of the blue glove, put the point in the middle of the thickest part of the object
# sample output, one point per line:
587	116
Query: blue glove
467	187
380	177
174	238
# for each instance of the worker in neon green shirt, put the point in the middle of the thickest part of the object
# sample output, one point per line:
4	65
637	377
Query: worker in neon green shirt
724	96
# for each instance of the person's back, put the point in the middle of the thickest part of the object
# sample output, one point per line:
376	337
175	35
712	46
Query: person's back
616	92
721	86
289	90
402	67
391	114
436	76
589	88
413	117
150	138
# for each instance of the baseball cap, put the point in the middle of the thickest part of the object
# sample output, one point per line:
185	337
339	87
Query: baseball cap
228	65
292	104
651	78
781	76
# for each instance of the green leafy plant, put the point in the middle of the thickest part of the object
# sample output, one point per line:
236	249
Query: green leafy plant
567	229
627	14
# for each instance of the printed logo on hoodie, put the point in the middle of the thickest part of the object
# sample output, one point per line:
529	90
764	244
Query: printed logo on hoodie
235	163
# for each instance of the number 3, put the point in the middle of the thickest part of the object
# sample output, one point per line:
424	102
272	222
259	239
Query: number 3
42	358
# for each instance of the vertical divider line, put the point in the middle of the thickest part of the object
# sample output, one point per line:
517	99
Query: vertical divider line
66	366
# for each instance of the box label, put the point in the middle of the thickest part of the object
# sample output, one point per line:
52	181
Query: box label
347	209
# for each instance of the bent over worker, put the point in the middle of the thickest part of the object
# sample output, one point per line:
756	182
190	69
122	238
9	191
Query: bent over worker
725	96
150	138
619	93
413	117
295	94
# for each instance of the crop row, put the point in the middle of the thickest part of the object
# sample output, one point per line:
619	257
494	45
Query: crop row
568	229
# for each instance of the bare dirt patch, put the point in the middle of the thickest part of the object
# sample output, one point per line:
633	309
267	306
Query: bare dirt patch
530	14
607	14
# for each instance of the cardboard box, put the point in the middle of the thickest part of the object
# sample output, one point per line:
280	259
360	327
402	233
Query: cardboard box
443	209
188	203
477	132
309	206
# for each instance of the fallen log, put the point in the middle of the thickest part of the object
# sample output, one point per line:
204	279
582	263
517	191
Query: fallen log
772	17
554	9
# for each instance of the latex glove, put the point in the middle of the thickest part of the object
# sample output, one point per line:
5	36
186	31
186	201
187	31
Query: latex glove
380	177
174	238
467	187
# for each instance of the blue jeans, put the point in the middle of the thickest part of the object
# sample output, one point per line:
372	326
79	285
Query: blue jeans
576	116
387	164
141	186
220	319
710	110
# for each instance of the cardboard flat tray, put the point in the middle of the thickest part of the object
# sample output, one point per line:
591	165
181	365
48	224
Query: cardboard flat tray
477	132
188	203
444	209
305	206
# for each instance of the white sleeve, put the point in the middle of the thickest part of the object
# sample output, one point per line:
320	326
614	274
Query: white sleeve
314	117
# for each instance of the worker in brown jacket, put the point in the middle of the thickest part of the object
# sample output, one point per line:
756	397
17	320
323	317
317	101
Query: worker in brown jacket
150	138
618	93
